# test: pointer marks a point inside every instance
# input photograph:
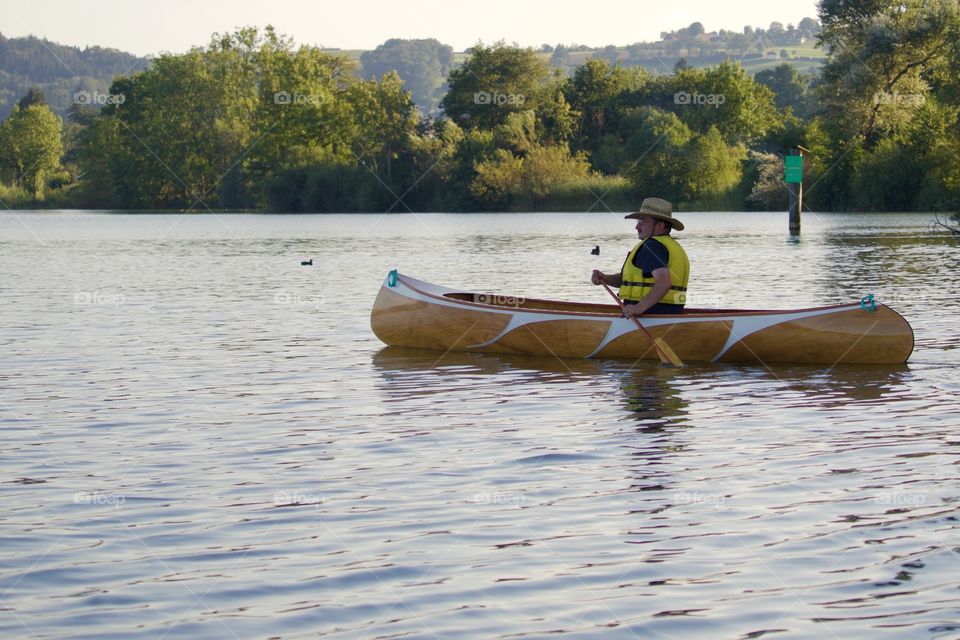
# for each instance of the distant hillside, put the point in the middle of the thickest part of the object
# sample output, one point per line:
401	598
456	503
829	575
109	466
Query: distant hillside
58	70
755	49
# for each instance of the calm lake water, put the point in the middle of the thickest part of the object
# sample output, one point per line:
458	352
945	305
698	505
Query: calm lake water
203	438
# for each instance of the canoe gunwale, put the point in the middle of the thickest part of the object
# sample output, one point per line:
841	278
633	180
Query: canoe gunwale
713	314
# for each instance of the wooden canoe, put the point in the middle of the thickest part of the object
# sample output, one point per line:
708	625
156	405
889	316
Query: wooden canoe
413	313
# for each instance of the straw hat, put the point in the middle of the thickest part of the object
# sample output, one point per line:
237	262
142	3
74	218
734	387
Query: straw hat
659	209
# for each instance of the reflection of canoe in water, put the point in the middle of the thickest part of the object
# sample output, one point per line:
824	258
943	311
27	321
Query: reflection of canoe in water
413	313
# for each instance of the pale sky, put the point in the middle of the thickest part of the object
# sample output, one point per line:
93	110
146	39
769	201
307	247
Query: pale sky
148	27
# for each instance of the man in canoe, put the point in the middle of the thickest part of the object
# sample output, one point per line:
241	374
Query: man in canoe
654	276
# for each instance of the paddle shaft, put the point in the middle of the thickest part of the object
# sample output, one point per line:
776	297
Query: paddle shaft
667	356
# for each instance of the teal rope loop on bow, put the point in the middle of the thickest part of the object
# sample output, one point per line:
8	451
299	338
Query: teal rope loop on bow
868	300
392	278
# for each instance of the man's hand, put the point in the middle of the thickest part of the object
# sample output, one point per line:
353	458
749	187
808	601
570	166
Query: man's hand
630	310
597	277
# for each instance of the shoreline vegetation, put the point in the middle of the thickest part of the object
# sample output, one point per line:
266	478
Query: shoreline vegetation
253	123
938	220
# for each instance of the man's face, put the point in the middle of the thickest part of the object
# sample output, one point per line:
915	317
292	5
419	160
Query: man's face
646	227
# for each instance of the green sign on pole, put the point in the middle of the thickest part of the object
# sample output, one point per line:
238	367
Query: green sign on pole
793	169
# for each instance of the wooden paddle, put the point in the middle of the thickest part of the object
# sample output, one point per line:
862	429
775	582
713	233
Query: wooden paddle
667	356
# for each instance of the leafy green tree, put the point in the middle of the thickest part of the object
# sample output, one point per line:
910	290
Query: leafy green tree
725	97
168	118
215	126
101	155
791	90
880	53
885	178
175	130
30	144
386	118
886	61
498	178
593	93
556	118
768	191
712	168
517	134
913	170
79	117
827	167
934	139
548	169
442	177
664	156
303	115
81	114
546	174
653	146
494	82
423	66
233	63
33	96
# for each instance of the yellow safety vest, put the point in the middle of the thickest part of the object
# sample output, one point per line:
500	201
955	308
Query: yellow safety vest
634	286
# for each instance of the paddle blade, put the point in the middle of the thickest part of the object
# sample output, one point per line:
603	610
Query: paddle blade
667	354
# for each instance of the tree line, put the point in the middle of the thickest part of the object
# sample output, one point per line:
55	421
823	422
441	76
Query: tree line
253	122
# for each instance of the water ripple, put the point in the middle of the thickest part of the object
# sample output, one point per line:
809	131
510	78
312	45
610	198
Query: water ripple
203	439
